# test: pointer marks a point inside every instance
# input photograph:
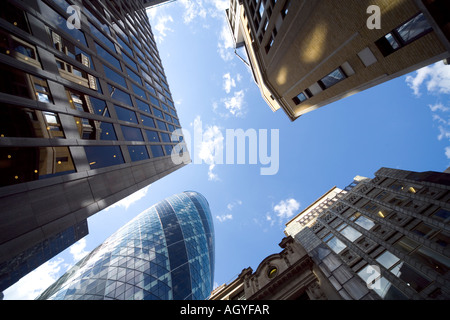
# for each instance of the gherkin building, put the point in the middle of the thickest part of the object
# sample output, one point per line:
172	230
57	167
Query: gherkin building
165	253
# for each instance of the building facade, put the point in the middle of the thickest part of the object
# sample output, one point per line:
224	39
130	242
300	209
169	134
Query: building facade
86	117
165	253
309	53
389	235
288	275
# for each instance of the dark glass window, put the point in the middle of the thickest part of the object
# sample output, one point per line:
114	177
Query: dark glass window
158	113
119	95
168	149
133	76
103	156
107	56
300	98
132	134
125	46
23	164
161	125
138	91
165	137
60	21
99	106
129	61
154	101
152	136
332	78
143	106
14	15
21	122
157	151
125	114
114	76
138	153
16	82
99	35
413	28
147	121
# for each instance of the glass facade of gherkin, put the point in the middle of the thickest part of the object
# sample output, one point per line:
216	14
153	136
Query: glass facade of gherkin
166	252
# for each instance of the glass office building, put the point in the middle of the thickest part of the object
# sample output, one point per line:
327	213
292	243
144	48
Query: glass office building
165	253
86	118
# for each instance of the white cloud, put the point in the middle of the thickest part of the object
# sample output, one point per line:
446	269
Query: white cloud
77	250
447	152
225	46
210	148
162	26
224	217
436	78
438	106
444	133
228	82
231	205
192	10
235	104
34	283
128	201
286	208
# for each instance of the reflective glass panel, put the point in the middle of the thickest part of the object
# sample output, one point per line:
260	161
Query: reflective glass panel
413	28
125	114
114	76
120	95
152	136
147	121
103	156
26	164
138	153
132	134
157	151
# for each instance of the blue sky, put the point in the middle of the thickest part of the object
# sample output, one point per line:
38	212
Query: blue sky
402	124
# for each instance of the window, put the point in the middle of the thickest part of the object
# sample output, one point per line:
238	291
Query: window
363	221
52	16
152	136
380	285
114	76
143	106
157	151
161	125
103	156
120	95
132	134
403	271
408	32
18	49
107	56
138	153
125	114
334	243
14	15
332	78
147	121
23	164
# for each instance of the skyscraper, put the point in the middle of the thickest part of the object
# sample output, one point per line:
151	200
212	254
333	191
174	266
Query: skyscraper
166	252
86	117
307	54
392	232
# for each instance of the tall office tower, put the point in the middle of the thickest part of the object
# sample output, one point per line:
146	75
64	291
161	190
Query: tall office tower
86	118
390	234
166	252
306	54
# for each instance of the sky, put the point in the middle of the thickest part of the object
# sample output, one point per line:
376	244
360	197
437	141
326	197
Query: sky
403	124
